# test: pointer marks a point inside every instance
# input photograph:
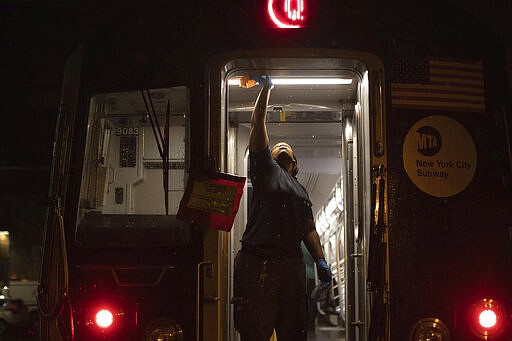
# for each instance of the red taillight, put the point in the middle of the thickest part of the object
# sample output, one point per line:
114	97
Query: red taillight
104	318
487	319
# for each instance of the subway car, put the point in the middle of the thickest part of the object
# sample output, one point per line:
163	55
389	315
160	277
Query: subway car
399	114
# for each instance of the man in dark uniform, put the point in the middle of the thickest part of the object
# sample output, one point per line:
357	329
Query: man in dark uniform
269	277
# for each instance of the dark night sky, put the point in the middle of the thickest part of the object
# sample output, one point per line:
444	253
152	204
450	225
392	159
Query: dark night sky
36	40
37	37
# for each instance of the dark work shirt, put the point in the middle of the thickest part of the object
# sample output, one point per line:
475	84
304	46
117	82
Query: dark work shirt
279	210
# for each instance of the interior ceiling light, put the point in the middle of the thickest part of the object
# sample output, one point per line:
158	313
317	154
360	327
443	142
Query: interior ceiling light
302	81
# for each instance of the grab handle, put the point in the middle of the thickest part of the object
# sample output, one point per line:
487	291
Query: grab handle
199	307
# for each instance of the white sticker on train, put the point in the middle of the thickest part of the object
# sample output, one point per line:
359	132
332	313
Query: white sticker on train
439	156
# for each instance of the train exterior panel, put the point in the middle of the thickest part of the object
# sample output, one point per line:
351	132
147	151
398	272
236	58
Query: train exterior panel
401	117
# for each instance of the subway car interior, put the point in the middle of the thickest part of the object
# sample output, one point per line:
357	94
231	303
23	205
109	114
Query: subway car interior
318	105
313	105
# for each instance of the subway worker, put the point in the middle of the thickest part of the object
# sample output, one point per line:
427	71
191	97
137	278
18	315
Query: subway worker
269	275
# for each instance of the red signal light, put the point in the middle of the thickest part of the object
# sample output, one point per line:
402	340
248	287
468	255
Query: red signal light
487	319
107	318
104	318
287	13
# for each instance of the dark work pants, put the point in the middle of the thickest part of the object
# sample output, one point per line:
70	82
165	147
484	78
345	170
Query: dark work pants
270	294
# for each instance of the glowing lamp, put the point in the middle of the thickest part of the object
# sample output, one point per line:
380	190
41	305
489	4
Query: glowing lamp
487	319
104	318
287	13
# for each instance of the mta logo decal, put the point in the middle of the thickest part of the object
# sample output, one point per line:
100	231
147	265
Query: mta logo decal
429	141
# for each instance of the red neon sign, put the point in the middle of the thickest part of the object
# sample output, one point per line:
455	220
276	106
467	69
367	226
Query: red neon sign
286	13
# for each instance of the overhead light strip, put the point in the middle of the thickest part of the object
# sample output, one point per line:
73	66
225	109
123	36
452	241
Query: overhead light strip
302	81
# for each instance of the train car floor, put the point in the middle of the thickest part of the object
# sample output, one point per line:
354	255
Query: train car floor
326	335
327	329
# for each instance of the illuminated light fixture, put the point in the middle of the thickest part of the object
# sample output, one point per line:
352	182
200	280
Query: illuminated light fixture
429	328
331	207
321	221
487	319
286	13
104	318
302	81
348	132
339	196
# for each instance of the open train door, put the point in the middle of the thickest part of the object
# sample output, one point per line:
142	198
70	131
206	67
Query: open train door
53	287
329	105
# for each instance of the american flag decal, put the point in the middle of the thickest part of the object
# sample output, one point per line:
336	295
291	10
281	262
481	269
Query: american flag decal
438	84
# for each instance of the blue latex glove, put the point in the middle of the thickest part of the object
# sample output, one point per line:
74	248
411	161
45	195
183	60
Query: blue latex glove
324	272
262	80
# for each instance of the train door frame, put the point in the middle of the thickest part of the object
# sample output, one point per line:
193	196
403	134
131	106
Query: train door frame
52	296
216	313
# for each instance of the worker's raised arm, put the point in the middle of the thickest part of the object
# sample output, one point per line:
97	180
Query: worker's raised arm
258	137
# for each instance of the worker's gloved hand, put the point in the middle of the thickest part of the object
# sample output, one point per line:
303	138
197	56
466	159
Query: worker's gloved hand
324	272
263	80
250	81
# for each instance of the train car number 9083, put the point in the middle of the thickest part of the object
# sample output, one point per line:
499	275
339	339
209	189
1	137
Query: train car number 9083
127	131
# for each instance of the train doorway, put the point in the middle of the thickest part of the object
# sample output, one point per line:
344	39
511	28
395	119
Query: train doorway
320	106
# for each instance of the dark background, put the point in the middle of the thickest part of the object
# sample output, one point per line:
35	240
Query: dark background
36	39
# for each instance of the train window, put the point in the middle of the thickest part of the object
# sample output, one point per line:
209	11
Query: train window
134	161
